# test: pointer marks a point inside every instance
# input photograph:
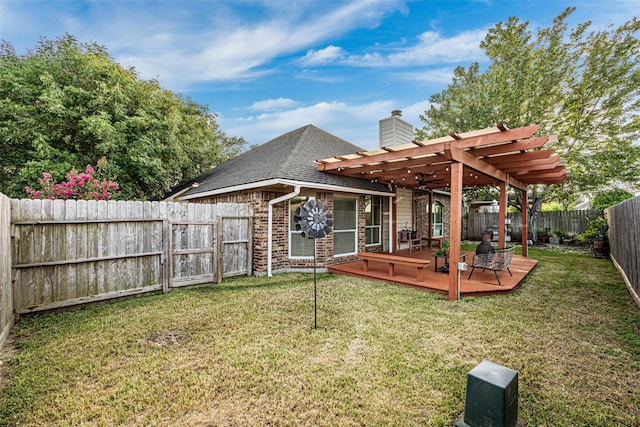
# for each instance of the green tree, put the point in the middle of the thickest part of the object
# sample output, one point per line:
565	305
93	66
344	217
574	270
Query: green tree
68	104
607	198
580	84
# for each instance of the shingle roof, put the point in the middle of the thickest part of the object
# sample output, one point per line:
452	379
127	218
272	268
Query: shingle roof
290	156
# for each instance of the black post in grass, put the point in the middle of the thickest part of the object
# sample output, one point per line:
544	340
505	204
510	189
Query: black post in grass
314	220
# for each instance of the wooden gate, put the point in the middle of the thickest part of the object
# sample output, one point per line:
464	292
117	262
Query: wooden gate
205	252
235	246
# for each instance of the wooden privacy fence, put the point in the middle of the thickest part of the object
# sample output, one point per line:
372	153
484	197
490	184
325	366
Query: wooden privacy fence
624	242
6	289
72	252
474	224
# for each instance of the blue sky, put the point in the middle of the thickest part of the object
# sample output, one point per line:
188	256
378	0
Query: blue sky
270	66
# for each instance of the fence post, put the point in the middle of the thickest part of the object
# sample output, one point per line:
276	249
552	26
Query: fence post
220	249
250	247
167	256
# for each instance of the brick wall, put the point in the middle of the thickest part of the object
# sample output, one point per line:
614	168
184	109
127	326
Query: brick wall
422	221
280	241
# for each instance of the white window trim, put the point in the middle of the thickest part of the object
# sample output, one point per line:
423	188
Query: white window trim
379	226
355	244
353	230
433	224
293	232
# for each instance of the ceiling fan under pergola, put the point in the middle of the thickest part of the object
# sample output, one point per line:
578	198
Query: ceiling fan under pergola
423	181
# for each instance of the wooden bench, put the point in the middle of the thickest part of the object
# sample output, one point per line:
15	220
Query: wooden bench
392	260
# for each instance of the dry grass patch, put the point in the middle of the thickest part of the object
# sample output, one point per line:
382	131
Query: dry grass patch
245	353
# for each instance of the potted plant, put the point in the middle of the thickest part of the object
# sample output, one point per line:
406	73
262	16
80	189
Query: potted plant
556	237
542	236
444	248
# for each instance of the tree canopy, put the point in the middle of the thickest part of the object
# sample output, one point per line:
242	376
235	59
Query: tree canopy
67	104
604	199
580	84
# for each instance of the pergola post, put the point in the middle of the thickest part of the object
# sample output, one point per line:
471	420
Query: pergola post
525	224
502	216
455	228
430	217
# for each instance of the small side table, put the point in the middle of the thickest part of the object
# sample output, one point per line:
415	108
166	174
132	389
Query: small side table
463	258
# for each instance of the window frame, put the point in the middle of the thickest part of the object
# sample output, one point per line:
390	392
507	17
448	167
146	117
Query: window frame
345	231
433	219
369	201
292	231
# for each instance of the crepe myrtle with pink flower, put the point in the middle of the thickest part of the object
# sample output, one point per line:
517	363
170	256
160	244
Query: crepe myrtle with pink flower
88	185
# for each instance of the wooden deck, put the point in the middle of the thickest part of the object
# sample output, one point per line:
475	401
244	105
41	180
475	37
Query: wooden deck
481	283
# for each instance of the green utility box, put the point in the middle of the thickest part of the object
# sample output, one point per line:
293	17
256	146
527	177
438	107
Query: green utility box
492	397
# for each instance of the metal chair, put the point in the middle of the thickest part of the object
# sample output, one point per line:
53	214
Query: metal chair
495	261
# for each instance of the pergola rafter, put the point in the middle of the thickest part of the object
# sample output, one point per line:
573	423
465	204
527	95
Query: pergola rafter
495	156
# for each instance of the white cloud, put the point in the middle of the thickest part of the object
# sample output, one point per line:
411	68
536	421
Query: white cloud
432	48
356	123
437	75
236	49
322	56
273	104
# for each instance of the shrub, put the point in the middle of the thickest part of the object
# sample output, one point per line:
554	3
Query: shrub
604	199
88	185
595	228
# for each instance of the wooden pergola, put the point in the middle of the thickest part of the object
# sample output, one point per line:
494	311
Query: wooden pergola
495	156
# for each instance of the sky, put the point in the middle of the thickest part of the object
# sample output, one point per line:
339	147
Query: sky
267	67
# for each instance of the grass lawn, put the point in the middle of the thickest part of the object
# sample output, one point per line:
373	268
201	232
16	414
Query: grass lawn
244	353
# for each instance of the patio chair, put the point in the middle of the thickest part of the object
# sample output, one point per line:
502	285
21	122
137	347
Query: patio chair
495	261
412	237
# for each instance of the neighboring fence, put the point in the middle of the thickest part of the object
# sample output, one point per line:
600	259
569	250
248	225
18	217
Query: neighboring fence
6	288
624	242
474	224
73	252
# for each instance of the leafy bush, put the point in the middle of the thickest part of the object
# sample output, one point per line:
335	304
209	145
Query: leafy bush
596	227
604	199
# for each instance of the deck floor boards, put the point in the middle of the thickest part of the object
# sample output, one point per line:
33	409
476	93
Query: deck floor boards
481	283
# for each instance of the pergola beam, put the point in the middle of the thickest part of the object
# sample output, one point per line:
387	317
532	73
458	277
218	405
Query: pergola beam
511	147
434	148
520	157
481	166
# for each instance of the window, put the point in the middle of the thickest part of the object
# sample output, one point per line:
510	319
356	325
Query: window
299	247
437	229
345	234
373	215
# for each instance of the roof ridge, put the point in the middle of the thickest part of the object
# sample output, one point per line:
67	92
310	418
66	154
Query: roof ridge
293	154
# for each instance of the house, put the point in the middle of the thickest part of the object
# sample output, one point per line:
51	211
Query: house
402	185
279	175
276	177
